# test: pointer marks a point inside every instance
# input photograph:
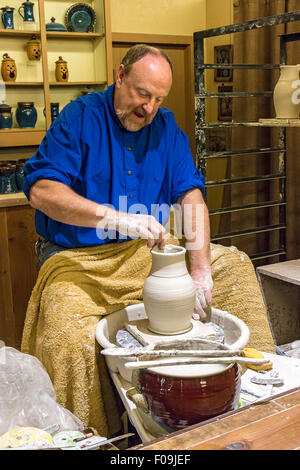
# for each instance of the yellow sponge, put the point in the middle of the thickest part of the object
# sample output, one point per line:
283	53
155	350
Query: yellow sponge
254	353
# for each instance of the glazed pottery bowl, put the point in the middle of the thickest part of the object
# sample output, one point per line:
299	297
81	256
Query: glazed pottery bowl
177	401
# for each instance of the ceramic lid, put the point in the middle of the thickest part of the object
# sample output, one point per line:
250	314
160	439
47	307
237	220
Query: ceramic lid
26	103
55	26
7	8
5	107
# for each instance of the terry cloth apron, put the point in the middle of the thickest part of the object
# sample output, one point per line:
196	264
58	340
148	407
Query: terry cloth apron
75	288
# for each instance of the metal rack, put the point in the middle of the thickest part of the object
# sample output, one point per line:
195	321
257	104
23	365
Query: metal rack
202	155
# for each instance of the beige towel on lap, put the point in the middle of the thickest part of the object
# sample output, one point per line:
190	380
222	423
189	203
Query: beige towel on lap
75	288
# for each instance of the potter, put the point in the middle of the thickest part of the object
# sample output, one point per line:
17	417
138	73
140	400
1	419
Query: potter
169	292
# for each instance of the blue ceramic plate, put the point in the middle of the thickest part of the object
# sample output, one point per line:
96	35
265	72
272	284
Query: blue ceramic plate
80	18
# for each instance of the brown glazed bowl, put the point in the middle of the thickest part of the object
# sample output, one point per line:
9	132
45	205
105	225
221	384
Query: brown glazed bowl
178	402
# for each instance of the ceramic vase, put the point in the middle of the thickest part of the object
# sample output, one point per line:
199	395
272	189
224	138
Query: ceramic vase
285	99
8	69
26	115
169	292
5	116
61	70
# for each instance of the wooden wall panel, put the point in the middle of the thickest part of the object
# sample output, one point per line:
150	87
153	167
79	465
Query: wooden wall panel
18	270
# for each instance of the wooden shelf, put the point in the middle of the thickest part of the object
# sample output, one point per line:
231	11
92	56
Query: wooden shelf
18	32
72	35
23	83
15	199
76	83
295	122
18	137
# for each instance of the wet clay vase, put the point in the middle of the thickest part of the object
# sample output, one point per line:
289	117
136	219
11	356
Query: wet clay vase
7	17
5	116
169	292
8	69
61	70
26	115
33	49
286	96
181	396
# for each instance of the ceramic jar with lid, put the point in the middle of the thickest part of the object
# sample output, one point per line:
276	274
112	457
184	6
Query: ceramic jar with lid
7	17
33	49
53	26
5	116
8	69
61	70
26	115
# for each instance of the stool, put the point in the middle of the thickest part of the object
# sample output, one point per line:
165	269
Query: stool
280	286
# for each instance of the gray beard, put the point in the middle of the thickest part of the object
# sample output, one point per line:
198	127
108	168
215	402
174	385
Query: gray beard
122	115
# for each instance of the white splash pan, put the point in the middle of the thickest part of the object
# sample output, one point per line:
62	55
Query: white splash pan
235	330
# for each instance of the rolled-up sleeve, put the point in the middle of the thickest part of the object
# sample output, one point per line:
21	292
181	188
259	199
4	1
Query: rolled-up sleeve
58	158
185	174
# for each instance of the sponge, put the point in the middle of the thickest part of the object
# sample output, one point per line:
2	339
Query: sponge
254	353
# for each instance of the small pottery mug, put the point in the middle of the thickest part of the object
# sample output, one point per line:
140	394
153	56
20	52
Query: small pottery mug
5	116
26	115
61	70
8	69
7	17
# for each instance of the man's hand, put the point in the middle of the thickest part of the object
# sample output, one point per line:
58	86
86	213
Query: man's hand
136	226
203	284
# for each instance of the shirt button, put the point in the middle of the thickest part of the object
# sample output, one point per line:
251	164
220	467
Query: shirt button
129	172
131	196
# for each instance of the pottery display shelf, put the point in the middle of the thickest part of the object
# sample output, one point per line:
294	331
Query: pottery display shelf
13	199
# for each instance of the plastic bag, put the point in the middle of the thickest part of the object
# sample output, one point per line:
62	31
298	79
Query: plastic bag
27	396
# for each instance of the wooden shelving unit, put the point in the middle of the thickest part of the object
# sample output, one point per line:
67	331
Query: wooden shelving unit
102	51
204	155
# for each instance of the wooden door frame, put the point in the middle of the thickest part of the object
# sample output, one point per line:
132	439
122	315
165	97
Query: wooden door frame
187	43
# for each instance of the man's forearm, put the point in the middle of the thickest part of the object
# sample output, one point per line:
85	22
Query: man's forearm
61	203
196	230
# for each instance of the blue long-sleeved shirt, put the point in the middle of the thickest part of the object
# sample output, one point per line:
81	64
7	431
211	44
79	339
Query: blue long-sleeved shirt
88	149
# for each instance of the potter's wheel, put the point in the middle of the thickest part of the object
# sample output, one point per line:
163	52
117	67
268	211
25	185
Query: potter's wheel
140	331
235	331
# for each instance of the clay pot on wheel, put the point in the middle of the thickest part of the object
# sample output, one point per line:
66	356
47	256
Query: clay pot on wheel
169	292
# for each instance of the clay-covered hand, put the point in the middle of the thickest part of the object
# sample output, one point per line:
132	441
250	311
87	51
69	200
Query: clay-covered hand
204	284
136	226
